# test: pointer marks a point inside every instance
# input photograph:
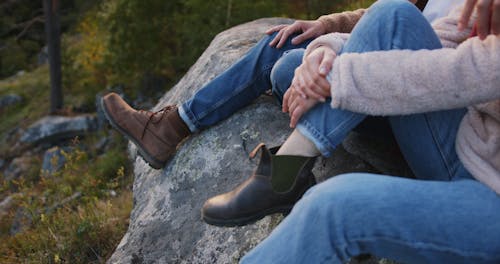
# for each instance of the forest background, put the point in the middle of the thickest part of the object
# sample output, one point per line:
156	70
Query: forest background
139	47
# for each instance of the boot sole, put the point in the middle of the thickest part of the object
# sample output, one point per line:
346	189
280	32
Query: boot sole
242	221
154	163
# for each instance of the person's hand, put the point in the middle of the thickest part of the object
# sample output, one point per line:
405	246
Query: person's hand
488	16
310	77
307	29
296	105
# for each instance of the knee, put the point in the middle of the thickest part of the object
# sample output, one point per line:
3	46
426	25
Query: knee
399	7
283	71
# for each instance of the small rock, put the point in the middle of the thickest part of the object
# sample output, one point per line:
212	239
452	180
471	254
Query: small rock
53	160
5	205
9	100
22	220
52	129
101	145
17	167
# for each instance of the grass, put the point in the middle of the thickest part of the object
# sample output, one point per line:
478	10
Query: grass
76	215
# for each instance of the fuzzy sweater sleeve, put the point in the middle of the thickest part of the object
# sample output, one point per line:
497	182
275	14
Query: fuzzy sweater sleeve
335	41
341	22
404	82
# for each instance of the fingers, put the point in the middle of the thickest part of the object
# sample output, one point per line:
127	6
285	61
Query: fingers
276	39
275	29
310	77
312	86
466	13
326	64
304	36
286	34
296	115
483	18
286	98
495	18
298	108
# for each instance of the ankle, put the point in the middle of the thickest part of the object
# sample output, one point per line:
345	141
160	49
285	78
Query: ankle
298	145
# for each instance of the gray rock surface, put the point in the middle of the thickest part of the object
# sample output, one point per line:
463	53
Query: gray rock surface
9	100
53	160
165	224
54	128
17	167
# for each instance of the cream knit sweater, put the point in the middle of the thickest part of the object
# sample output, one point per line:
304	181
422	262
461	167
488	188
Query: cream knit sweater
465	73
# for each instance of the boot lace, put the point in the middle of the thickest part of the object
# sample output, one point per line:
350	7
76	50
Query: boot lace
162	112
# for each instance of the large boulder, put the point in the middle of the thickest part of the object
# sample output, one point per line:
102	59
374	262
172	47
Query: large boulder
165	224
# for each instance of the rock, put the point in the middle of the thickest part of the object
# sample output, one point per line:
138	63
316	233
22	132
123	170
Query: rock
22	221
53	160
18	167
51	129
9	100
5	205
376	154
165	224
101	146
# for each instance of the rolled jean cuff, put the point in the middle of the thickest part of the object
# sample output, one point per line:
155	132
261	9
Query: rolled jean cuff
321	142
185	117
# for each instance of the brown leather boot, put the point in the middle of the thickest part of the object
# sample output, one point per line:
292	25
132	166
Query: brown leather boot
274	187
156	134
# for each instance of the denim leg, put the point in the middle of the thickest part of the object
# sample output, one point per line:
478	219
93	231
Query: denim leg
236	87
427	142
388	24
410	221
283	72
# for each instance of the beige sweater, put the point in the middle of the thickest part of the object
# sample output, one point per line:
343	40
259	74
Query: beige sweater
466	72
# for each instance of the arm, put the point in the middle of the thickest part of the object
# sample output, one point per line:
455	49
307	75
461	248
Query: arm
404	82
339	22
334	41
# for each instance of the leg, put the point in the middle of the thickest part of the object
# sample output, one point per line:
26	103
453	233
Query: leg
277	190
158	134
324	126
389	24
410	221
235	88
435	133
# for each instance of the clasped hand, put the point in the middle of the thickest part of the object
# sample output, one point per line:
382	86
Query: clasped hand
309	85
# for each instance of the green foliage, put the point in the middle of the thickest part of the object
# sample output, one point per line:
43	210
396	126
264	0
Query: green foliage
74	219
125	40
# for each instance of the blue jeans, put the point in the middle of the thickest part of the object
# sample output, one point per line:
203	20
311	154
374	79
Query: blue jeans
443	216
236	87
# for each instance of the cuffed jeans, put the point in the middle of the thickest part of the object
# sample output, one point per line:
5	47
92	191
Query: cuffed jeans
236	87
443	216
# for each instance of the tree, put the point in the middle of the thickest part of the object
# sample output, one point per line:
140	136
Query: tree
53	32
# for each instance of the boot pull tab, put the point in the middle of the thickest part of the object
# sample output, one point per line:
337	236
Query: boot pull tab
255	150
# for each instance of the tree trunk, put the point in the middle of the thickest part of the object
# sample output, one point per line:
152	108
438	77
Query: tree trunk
53	32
